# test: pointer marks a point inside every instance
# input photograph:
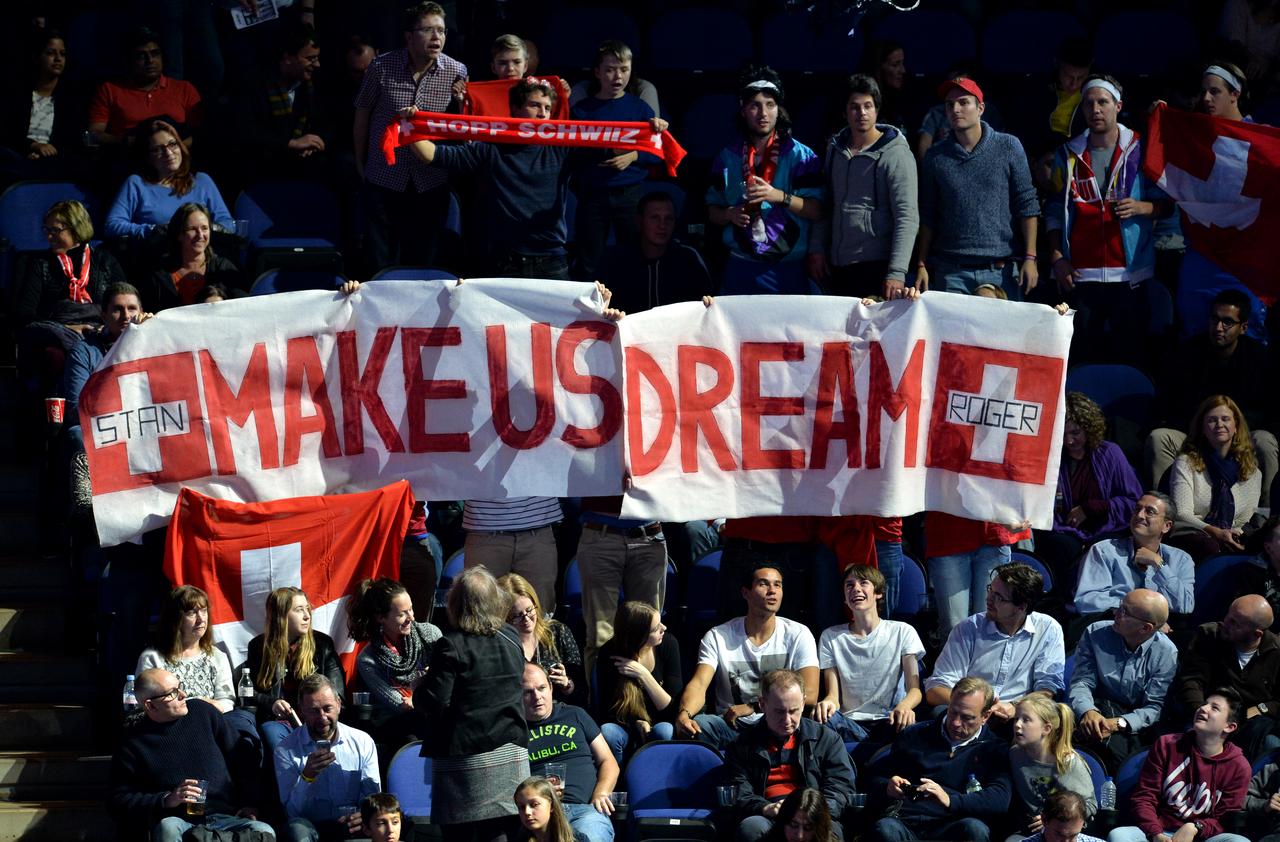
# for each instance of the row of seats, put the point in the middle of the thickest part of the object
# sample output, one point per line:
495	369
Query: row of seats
704	39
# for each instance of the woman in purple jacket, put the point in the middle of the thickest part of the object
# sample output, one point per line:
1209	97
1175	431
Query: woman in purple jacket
1097	488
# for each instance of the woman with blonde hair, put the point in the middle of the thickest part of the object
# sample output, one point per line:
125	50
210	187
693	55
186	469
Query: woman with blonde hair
478	738
1042	761
639	677
72	271
1215	482
541	814
279	658
546	642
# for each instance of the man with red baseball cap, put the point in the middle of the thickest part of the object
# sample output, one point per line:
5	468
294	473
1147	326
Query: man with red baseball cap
978	207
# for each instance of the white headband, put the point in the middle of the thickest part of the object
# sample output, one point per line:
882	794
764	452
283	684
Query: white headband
760	84
1226	76
1105	85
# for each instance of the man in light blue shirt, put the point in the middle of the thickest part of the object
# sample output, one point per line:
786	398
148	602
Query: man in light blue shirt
1113	568
1123	671
324	768
1016	650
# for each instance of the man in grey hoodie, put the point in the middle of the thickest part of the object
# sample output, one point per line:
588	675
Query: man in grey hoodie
864	244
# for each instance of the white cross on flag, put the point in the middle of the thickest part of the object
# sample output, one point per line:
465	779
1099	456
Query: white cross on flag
1225	177
239	552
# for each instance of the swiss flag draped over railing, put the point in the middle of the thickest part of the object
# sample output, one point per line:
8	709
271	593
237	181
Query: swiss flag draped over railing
1225	177
590	134
239	552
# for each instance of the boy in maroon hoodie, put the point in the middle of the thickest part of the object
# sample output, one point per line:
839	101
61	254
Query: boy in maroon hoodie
1191	781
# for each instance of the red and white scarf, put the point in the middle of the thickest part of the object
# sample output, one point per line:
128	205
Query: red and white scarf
78	288
592	134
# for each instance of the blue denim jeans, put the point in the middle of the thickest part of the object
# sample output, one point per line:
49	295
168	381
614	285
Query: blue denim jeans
715	731
1133	834
963	277
589	822
962	830
889	558
618	737
960	583
170	829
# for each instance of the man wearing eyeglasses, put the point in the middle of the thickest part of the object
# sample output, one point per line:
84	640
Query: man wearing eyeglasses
164	757
1224	361
1015	649
408	202
282	128
1122	674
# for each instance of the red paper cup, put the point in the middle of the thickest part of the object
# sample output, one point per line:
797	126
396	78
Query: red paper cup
55	409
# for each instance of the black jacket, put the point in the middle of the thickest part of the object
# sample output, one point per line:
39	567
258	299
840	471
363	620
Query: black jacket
471	695
1210	661
820	755
160	293
43	284
325	660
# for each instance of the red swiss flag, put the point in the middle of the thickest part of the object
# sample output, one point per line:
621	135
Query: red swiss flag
239	552
1225	177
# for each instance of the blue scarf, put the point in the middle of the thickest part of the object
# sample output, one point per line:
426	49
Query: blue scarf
1224	472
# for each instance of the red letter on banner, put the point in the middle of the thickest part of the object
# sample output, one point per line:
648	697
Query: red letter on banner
639	364
361	391
544	407
588	384
882	396
254	398
755	405
303	371
695	406
418	391
835	375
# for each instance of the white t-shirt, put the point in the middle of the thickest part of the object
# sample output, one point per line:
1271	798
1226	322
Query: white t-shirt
868	668
739	665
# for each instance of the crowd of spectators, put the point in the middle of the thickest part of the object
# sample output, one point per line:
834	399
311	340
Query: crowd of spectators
982	702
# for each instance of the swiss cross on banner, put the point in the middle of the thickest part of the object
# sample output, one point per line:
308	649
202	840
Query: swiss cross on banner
1225	177
239	552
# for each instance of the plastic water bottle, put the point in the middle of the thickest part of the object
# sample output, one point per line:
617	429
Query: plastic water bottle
245	688
1108	799
128	697
972	785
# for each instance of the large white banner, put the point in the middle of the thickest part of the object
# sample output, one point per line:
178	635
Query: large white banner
804	405
496	388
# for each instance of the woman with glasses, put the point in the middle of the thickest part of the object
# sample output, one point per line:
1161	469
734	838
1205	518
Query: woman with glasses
397	658
72	271
547	643
287	652
148	199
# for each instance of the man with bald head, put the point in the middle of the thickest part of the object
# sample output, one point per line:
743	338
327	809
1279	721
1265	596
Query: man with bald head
165	755
1123	671
1241	653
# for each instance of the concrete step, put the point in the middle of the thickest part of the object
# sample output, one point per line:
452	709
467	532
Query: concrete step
53	775
44	726
65	821
30	577
32	626
43	669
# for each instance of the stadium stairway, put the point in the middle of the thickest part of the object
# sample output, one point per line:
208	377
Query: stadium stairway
53	773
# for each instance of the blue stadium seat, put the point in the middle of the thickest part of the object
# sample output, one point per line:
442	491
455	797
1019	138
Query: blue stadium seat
1272	756
913	594
1168	39
1035	564
707	126
702	589
699	39
1122	391
22	207
413	273
796	42
673	780
289	215
572	36
1215	587
572	601
1068	667
295	280
1127	777
1097	771
409	780
1024	42
933	41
